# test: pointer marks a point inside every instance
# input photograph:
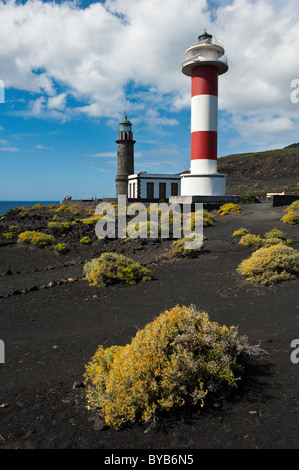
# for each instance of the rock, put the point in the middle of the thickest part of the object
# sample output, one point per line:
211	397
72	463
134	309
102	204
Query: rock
7	273
52	284
15	292
32	288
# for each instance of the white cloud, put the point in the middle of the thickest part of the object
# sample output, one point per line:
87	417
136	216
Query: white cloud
42	147
95	53
102	155
9	149
57	102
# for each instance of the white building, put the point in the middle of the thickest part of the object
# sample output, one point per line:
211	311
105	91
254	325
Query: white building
150	186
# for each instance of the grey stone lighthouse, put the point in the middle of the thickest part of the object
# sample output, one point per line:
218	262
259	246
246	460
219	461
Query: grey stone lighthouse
125	157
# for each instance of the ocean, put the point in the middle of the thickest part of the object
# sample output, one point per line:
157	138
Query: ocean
7	205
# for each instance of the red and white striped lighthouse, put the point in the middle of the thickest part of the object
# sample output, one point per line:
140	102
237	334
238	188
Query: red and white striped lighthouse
205	62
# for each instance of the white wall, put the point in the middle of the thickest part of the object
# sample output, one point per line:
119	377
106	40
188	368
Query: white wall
156	179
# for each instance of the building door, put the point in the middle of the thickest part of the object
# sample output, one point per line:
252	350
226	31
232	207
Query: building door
174	189
150	190
162	190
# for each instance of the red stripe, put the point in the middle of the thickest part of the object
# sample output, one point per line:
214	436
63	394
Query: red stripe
204	80
204	145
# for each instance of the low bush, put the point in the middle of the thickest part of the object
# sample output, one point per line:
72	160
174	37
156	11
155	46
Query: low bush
294	207
229	207
208	219
91	220
59	226
61	248
291	218
36	207
241	232
270	265
8	235
178	248
39	239
111	268
177	359
273	237
251	240
86	240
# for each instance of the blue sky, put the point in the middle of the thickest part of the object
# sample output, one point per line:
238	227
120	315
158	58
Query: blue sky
71	70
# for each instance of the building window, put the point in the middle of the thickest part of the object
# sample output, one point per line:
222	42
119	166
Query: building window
150	190
162	190
174	189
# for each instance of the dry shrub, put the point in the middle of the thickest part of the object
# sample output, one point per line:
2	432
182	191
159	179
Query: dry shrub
291	218
176	360
229	207
292	214
178	248
42	240
273	237
240	232
111	268
271	265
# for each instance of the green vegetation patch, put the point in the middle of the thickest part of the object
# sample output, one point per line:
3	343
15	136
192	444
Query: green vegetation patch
269	265
39	239
111	268
176	360
61	248
273	237
229	207
178	248
85	240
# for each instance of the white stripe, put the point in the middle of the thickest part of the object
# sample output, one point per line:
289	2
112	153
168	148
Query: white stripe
204	113
203	166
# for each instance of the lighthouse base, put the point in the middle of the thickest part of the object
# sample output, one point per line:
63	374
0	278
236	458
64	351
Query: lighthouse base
203	184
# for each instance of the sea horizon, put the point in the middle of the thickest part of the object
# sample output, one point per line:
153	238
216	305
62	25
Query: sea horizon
5	206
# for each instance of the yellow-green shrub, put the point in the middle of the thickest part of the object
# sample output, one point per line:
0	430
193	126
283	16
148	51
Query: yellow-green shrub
270	265
111	268
36	206
59	226
42	240
207	218
85	240
229	207
251	240
8	235
61	248
294	207
241	232
273	237
291	218
91	220
176	359
178	248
